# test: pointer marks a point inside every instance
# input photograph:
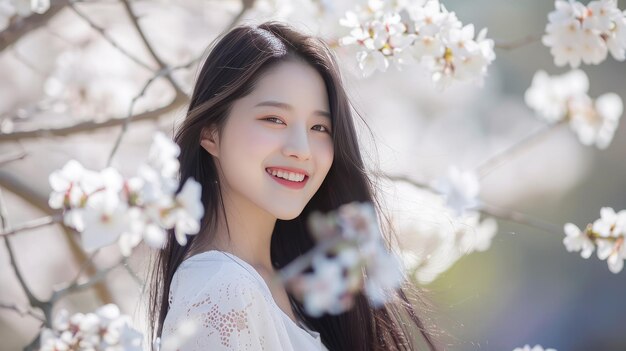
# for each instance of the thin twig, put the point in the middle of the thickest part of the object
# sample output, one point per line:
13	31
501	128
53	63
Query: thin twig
162	66
131	272
245	6
10	158
33	224
518	217
86	264
517	43
76	286
130	116
506	155
108	38
28	64
32	300
488	210
21	311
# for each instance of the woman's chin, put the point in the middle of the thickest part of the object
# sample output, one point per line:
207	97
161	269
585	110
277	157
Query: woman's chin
288	214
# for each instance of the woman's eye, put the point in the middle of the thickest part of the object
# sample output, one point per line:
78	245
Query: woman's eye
273	119
325	129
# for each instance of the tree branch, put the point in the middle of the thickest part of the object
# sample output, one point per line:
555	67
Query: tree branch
91	125
40	201
30	225
32	300
162	66
23	26
516	44
129	117
21	311
245	6
506	155
108	38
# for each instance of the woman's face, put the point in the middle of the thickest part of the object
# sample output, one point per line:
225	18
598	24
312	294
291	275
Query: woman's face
282	126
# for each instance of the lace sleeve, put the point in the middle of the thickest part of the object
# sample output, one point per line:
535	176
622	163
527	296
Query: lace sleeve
230	313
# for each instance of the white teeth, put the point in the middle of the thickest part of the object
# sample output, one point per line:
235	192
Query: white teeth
294	177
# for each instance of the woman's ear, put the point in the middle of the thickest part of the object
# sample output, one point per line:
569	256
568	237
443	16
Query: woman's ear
209	141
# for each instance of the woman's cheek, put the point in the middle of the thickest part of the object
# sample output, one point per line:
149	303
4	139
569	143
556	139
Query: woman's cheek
325	153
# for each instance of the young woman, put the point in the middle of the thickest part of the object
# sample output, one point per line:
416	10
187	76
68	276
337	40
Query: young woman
270	137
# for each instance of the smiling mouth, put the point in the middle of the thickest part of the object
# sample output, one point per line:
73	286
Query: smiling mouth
288	183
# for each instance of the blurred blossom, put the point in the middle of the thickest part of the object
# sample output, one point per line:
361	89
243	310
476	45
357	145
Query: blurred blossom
185	217
358	260
459	189
431	237
577	240
105	219
106	208
607	234
323	289
179	338
85	85
39	6
105	329
535	348
576	32
549	95
7	10
564	98
22	8
422	32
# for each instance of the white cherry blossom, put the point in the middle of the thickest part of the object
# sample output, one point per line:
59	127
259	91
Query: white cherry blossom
104	330
564	97
359	261
577	240
533	348
185	216
577	34
105	208
596	123
550	96
105	219
163	155
607	234
460	190
425	32
324	287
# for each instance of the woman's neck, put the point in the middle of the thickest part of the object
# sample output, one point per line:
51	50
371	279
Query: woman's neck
248	235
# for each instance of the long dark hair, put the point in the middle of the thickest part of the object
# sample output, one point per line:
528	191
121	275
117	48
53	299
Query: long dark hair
235	63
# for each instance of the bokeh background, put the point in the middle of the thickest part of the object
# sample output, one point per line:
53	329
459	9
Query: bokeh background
525	289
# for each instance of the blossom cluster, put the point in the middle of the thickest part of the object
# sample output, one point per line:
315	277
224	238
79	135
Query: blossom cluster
607	234
338	271
423	32
576	32
564	98
104	329
22	8
437	228
104	207
534	348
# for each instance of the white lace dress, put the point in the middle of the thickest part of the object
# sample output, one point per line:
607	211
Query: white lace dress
232	307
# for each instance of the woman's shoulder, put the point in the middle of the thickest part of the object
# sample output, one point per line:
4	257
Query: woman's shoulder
214	276
227	302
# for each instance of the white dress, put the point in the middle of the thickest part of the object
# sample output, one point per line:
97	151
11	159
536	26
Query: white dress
232	306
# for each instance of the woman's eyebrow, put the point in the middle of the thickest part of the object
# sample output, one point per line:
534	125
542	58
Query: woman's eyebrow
288	107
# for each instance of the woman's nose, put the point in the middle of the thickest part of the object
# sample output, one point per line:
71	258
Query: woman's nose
297	144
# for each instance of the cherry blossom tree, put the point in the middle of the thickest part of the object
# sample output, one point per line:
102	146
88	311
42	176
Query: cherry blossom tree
79	72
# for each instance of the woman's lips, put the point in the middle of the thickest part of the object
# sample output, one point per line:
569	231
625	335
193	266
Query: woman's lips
288	183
